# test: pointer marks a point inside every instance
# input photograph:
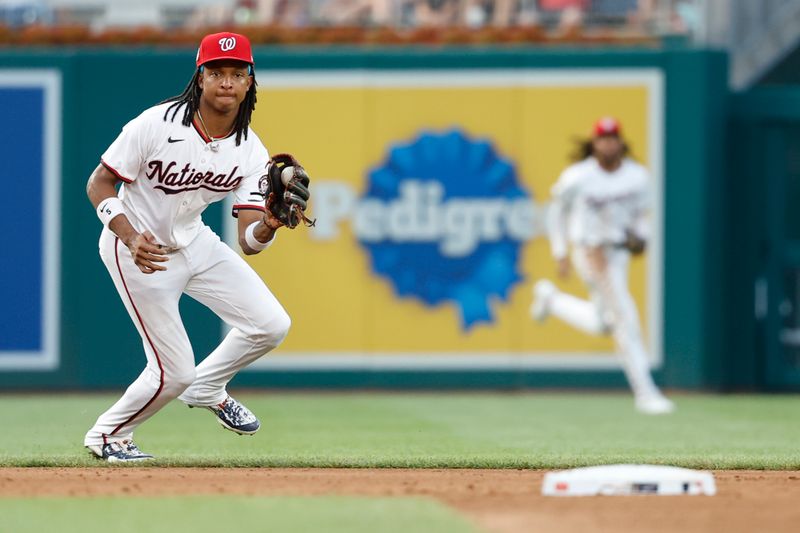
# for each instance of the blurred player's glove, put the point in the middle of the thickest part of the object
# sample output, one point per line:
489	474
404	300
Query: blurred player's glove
286	191
633	243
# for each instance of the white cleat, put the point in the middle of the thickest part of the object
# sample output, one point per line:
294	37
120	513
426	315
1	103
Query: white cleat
119	452
654	404
543	291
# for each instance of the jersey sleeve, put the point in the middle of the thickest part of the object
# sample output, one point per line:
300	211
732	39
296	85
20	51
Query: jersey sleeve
249	193
130	149
562	193
567	185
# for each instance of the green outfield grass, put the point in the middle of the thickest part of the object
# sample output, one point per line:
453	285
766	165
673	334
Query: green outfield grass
531	430
332	514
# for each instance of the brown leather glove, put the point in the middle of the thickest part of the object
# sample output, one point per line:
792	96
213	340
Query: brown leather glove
286	191
633	243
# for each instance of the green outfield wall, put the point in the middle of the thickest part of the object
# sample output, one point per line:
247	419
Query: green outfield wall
764	227
100	90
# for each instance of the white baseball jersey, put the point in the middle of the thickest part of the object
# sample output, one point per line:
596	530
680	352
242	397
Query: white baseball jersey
593	207
171	174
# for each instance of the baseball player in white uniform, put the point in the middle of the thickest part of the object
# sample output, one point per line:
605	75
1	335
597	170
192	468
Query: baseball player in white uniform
599	206
172	161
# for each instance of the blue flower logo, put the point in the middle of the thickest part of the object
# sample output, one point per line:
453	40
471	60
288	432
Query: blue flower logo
443	219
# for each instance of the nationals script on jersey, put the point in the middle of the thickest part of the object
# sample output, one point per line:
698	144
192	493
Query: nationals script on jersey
171	174
594	207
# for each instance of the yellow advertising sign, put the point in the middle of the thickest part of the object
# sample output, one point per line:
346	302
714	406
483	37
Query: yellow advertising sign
429	189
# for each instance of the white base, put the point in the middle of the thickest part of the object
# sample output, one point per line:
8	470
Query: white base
623	480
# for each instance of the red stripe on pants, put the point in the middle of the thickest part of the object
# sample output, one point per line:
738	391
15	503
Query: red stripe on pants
147	336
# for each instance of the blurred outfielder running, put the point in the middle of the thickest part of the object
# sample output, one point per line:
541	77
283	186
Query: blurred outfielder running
599	206
172	161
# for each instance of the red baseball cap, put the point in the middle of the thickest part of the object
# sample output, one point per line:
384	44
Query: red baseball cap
606	126
225	45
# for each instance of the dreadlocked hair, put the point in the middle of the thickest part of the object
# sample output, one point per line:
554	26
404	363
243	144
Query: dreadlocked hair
190	98
584	148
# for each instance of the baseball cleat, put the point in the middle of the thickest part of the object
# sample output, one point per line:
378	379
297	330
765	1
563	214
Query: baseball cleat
234	416
654	404
543	291
119	452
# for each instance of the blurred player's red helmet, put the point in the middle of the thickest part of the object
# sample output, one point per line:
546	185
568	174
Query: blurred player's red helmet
606	126
225	45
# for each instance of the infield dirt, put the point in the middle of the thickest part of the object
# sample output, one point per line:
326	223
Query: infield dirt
495	500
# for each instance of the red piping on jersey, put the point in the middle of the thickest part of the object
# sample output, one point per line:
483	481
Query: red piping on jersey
141	323
113	171
199	129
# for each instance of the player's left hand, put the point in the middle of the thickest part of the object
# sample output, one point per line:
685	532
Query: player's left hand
287	191
270	220
634	243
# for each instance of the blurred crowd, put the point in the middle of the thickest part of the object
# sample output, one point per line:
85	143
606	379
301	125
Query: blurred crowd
468	13
648	16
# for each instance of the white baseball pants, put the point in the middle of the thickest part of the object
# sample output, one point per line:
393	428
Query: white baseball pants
611	309
213	274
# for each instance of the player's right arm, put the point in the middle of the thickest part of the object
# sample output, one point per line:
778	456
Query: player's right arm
101	188
561	197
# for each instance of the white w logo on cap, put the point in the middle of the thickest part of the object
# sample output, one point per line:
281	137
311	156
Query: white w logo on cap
227	43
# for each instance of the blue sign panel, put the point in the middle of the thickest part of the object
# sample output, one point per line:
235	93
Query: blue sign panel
451	174
29	205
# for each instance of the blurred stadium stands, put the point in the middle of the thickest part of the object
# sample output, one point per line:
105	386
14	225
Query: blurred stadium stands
756	33
650	16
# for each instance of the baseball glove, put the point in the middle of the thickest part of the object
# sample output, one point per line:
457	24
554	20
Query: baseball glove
286	189
633	243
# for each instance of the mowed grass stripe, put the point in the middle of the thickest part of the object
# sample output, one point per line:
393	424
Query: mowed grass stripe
335	514
410	430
